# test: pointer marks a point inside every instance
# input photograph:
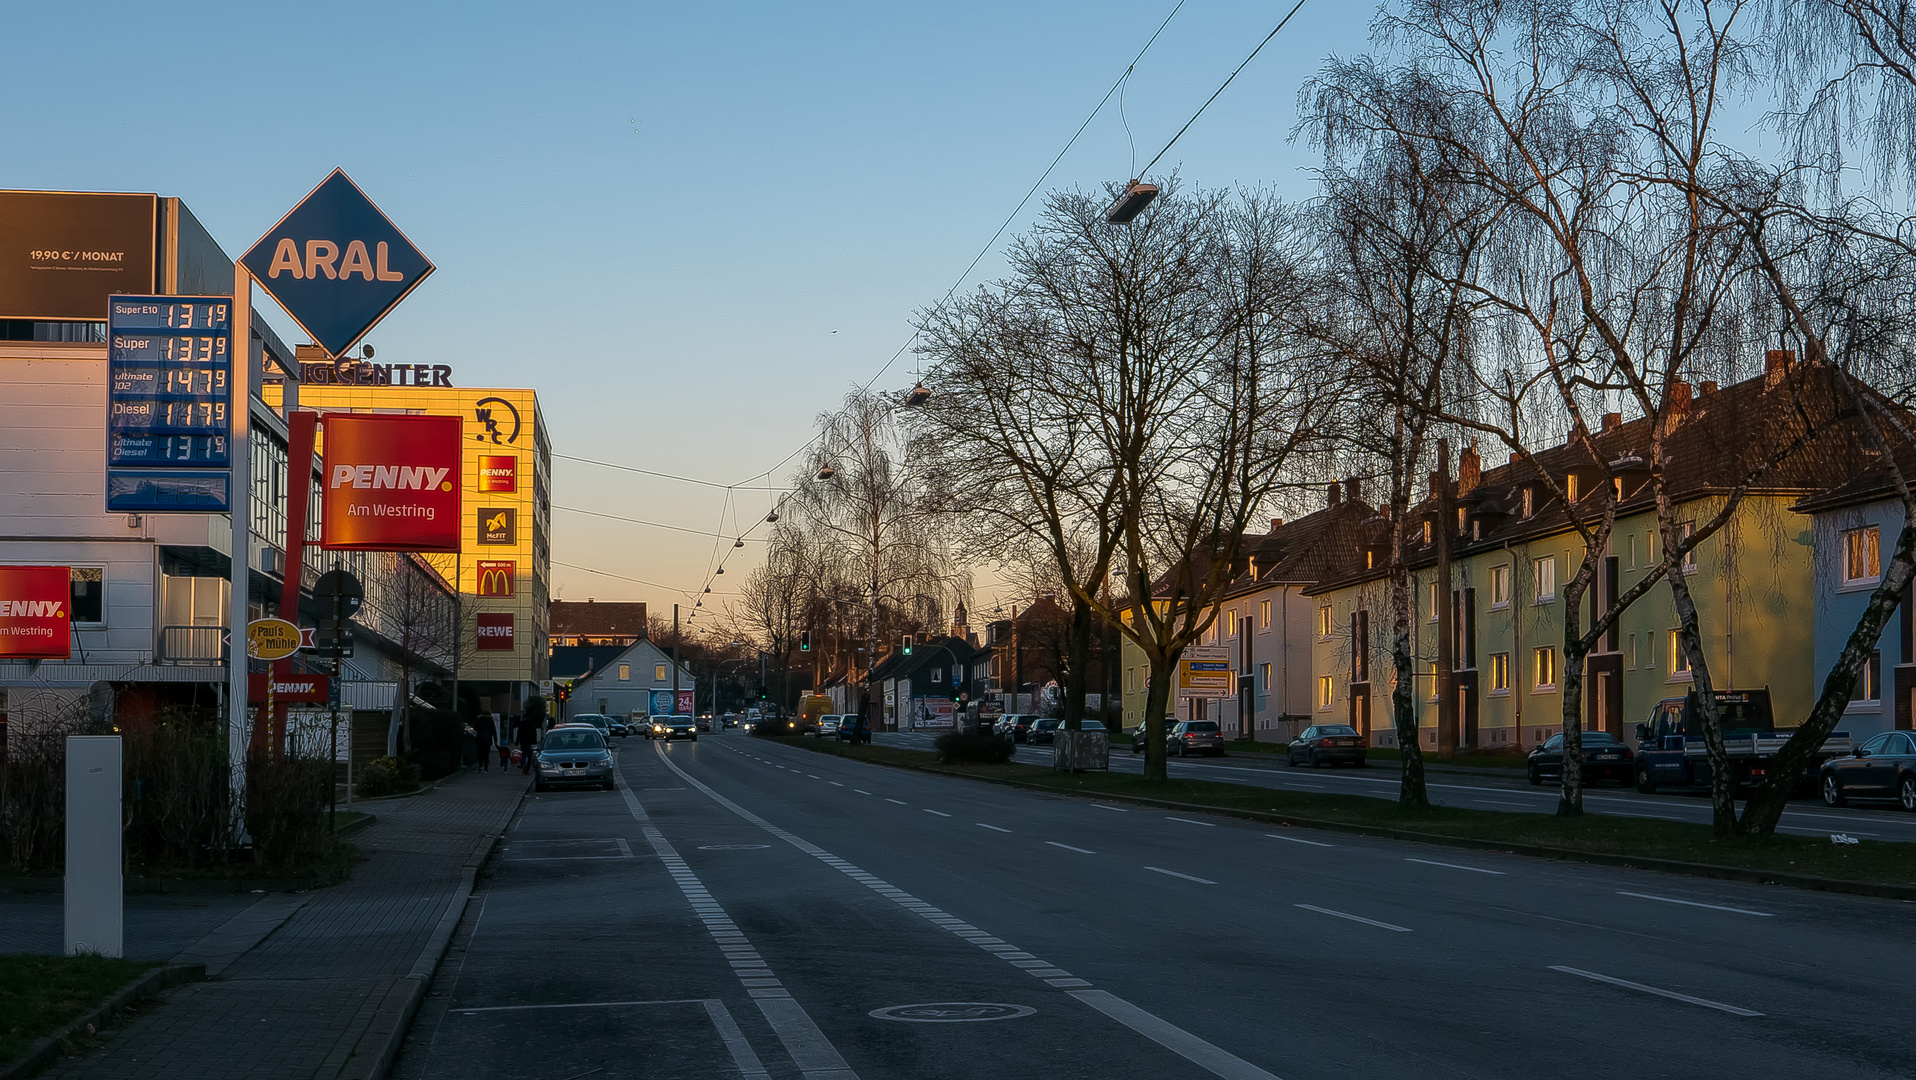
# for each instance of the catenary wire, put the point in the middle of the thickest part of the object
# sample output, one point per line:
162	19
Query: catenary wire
1220	90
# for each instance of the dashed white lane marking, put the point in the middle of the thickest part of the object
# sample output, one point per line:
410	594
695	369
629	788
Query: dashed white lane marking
834	783
1068	847
1187	877
814	776
1296	840
1456	866
1212	1059
810	1050
1693	903
861	791
1671	994
1188	821
993	828
1355	918
1119	809
940	813
900	802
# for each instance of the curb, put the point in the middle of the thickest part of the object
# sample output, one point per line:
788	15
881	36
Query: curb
171	886
44	1052
1879	889
352	827
378	1046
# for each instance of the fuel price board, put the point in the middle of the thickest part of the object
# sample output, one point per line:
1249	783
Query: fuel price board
169	421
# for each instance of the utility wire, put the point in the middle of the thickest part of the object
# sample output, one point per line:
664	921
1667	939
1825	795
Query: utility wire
1220	90
637	521
650	472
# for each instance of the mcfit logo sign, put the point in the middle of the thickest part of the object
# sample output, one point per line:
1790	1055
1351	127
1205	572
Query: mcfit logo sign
391	483
498	525
336	264
498	579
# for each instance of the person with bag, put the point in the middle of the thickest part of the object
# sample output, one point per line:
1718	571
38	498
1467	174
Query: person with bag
528	738
484	732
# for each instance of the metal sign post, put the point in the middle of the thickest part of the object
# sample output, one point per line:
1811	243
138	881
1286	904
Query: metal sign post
239	511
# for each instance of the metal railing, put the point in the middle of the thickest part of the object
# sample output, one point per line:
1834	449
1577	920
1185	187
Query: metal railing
192	645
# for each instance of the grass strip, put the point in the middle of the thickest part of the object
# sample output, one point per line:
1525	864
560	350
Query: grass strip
1595	834
40	994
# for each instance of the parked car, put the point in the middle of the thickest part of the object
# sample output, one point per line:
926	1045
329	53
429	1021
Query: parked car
1137	734
573	755
852	728
1882	768
619	728
1016	726
1604	758
597	720
675	727
1044	732
827	726
1671	753
1322	743
1195	737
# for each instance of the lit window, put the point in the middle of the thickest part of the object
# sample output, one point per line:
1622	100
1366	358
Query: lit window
1570	486
1427	531
1544	572
1264	614
1869	680
1545	662
625	672
1500	586
1431	589
1528	503
1326	688
1861	557
1263	678
1679	659
1230	623
658	673
1499	671
1324	623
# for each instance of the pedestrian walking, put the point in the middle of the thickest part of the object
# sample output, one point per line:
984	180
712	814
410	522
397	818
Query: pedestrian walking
528	737
505	754
484	731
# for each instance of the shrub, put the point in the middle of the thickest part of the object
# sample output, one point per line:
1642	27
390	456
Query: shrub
387	776
439	743
972	748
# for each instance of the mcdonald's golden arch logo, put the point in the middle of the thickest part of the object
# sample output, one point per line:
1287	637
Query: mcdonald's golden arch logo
498	579
498	525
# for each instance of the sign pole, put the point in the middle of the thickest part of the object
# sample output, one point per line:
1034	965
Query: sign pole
239	511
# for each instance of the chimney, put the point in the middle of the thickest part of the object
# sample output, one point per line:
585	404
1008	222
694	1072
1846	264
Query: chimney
1677	407
1354	490
1276	524
1709	387
1612	421
1515	457
1776	364
1470	469
1336	496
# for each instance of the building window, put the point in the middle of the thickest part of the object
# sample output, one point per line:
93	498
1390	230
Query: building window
1263	685
625	672
1263	614
1426	532
87	596
1500	673
1869	681
1324	623
1679	659
1326	690
1684	532
1633	650
1861	557
1544	571
1431	599
1570	487
1545	663
1529	503
1230	624
658	673
1499	587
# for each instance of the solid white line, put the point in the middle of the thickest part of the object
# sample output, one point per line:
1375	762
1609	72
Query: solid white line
1068	847
1457	866
940	813
1671	994
900	802
743	1056
993	828
1295	840
1693	903
583	1005
1355	918
1204	1055
1174	873
1188	821
1119	809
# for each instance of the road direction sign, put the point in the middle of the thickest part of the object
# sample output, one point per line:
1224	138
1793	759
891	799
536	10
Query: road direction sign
169	403
337	264
1204	671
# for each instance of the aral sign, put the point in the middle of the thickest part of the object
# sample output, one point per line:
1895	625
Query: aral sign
36	617
391	483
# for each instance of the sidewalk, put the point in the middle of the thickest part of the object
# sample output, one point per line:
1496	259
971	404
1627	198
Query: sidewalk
318	996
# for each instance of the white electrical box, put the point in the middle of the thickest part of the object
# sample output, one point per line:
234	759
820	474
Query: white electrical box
95	915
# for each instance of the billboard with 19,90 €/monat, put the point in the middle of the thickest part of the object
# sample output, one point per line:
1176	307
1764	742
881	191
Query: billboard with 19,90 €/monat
391	483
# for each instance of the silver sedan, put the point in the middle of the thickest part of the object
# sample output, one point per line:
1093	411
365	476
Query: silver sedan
573	757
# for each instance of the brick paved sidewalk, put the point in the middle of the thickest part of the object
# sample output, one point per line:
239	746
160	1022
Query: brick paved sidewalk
298	1004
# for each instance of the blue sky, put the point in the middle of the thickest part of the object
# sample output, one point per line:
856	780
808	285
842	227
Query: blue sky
655	215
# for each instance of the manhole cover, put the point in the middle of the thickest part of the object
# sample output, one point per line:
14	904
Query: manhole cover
953	1012
733	847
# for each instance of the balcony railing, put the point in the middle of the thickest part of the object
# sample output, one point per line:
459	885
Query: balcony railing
192	645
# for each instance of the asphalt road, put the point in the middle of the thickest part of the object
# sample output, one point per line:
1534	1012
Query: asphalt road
744	909
1806	817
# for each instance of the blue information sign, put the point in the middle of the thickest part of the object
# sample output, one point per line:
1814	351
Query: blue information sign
169	403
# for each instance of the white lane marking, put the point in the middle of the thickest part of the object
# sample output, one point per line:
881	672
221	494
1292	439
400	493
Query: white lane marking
940	813
814	776
1495	802
1174	873
1671	994
1068	847
743	1056
834	783
1456	866
582	1005
1210	1058
1355	918
1693	903
861	791
1188	821
900	802
993	828
1295	840
1119	809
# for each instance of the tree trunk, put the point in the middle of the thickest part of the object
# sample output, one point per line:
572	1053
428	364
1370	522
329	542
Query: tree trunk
1760	814
1155	698
1570	691
1077	674
1722	777
1403	696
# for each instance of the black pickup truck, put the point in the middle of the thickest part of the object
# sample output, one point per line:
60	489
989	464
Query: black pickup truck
1671	753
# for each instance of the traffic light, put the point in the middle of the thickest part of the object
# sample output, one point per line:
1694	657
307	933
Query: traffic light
761	693
906	646
804	641
562	692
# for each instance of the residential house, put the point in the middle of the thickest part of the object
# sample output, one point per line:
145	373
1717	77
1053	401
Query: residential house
636	682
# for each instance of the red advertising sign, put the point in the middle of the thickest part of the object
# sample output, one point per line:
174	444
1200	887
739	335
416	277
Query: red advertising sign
36	617
391	483
498	579
498	472
290	688
685	702
495	632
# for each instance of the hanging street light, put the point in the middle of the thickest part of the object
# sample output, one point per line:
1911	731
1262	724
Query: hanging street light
1137	195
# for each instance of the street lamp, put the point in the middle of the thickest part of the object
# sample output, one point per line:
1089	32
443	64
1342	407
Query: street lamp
1136	197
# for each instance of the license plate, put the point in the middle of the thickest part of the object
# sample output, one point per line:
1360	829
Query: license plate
575	772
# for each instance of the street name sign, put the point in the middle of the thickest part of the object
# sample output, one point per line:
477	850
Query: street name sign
169	404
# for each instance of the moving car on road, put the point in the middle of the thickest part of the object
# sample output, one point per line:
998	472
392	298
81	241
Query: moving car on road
572	755
1196	737
675	727
597	720
827	726
1016	726
1321	743
1882	768
1604	758
852	728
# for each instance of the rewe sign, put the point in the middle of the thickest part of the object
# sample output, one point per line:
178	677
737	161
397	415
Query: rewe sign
392	483
36	616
